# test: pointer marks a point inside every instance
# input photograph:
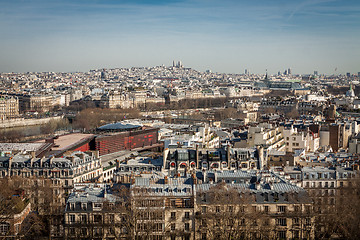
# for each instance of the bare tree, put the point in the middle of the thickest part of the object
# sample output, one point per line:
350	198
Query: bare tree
227	213
347	209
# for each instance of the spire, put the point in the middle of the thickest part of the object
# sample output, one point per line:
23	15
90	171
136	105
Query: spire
266	75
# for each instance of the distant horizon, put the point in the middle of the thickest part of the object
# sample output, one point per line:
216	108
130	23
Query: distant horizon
225	36
184	66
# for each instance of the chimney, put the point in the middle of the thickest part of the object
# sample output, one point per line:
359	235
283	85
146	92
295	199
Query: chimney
262	163
166	180
194	178
165	155
204	175
72	158
197	157
228	155
32	161
42	161
51	160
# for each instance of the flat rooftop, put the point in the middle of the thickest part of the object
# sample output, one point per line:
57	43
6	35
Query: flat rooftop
69	140
22	146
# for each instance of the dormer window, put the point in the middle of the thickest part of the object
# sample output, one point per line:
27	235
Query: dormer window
97	205
83	206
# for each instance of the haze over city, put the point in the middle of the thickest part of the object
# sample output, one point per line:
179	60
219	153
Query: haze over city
224	36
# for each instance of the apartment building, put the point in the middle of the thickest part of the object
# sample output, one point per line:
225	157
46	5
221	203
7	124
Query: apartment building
36	102
266	135
9	107
183	161
165	208
93	212
58	175
253	211
115	100
11	220
296	140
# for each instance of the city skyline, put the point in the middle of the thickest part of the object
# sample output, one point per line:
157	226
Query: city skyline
227	36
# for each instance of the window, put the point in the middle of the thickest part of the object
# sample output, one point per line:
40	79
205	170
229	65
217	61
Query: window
111	218
173	215
187	203
242	222
203	209
83	218
97	231
254	222
4	228
203	236
217	209
281	209
281	221
254	208
97	205
187	226
17	228
297	208
72	231
230	208
72	218
187	215
83	206
266	222
282	235
111	230
296	234
296	221
266	208
97	218
84	231
173	227
203	223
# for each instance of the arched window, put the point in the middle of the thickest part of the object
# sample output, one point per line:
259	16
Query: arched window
4	228
182	165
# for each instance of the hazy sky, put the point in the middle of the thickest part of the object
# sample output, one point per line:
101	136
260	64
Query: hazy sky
224	36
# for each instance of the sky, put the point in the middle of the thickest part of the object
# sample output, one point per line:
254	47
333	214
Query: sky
225	36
